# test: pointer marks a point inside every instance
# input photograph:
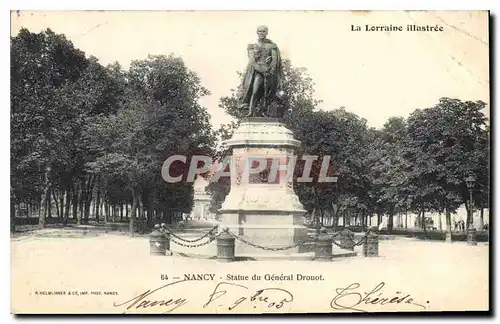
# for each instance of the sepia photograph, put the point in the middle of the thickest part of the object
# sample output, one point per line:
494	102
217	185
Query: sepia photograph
250	162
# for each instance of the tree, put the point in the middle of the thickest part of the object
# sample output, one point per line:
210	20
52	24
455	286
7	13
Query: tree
389	169
45	111
446	143
160	117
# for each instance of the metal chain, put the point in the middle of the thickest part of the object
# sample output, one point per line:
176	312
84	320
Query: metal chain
334	235
191	241
269	248
361	241
302	243
211	239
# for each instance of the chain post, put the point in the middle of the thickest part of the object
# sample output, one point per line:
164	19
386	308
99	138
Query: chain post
225	246
347	239
157	242
323	246
166	234
370	246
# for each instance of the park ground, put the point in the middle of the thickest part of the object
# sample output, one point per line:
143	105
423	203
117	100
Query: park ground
98	270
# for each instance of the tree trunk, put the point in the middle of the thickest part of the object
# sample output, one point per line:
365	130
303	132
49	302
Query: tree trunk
150	215
423	222
336	219
448	225
315	210
390	219
55	202
66	210
80	202
88	198
80	213
61	203
133	212
81	198
74	214
12	215
469	214
97	205
40	207
49	205
481	219
168	216
45	197
390	222
141	214
440	222
106	212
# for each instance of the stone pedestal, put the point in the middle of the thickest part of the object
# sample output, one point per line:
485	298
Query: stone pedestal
262	209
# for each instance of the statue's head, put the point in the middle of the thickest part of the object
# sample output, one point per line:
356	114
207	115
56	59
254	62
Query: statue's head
262	32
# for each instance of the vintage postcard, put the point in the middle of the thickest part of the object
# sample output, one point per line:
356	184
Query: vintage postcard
249	162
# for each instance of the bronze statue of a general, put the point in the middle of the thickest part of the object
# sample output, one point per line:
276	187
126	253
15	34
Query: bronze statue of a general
262	78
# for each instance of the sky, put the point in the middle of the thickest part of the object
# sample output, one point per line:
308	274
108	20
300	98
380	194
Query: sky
376	75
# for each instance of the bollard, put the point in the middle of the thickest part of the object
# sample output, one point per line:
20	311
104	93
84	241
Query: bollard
157	242
323	246
166	234
370	246
225	246
471	236
347	239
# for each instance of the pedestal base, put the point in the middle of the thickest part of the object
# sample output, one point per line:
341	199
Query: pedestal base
268	230
262	207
